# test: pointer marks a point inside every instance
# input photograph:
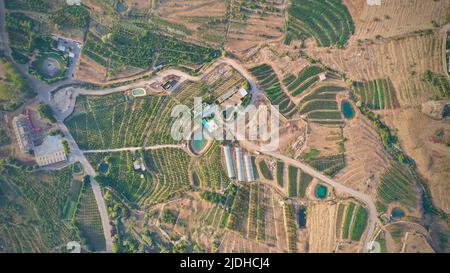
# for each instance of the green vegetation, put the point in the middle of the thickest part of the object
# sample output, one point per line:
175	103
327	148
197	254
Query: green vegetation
239	211
71	17
439	81
169	217
328	22
376	94
359	223
347	220
33	5
339	216
39	68
14	89
166	176
31	207
280	173
127	45
305	180
112	121
307	78
330	165
325	115
398	184
291	226
265	171
46	112
4	138
293	181
271	85
209	169
219	215
88	219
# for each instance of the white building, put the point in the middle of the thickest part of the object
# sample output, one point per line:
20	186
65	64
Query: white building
51	151
240	164
249	168
229	162
23	133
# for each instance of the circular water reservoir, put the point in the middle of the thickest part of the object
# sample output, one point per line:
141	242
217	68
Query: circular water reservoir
321	191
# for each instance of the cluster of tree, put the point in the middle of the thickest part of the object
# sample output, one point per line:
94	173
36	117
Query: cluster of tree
214	197
168	216
46	112
13	87
71	17
35	5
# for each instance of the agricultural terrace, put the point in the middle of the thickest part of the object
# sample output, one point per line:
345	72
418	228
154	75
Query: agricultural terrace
351	221
291	227
209	169
320	105
219	214
439	81
307	78
131	46
113	121
377	94
264	170
327	21
165	176
32	206
280	173
88	220
22	31
32	5
397	185
321	99
330	165
269	81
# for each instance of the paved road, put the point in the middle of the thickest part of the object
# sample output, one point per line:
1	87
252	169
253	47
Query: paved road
77	155
132	149
311	171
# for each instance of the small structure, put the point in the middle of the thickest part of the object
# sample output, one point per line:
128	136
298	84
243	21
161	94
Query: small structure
243	92
210	125
73	2
23	133
322	76
240	164
51	151
249	168
229	162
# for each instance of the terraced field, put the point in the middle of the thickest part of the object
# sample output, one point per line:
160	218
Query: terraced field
112	121
327	21
351	221
271	85
398	185
305	79
166	175
376	94
321	107
130	45
88	220
209	169
32	206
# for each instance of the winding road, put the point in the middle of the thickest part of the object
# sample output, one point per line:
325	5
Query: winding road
44	93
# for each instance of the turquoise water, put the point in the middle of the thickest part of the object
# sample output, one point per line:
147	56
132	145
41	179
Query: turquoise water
347	110
397	213
198	145
302	217
103	167
321	191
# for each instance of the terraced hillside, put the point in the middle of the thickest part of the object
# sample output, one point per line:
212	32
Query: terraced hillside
166	175
376	94
271	85
32	206
327	21
112	121
320	105
305	79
